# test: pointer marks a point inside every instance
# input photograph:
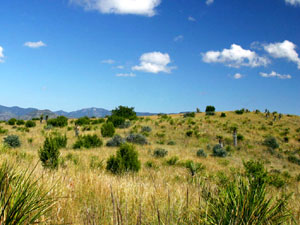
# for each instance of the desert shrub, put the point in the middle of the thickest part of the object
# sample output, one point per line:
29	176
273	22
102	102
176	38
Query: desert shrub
3	131
49	153
117	121
223	114
189	133
160	153
210	110
60	121
116	141
108	129
96	163
294	159
218	151
189	114
125	160
125	125
30	140
20	122
193	168
201	153
150	164
172	161
239	112
97	121
12	121
12	141
30	123
171	143
83	121
146	129
255	172
23	200
240	137
271	142
88	141
137	139
286	139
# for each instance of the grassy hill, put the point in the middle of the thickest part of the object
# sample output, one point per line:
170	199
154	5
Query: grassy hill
164	190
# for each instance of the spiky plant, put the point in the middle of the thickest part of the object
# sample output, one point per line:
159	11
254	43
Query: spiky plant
22	199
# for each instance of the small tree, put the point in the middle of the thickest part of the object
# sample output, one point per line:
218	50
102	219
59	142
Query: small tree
126	160
210	110
108	129
125	112
49	153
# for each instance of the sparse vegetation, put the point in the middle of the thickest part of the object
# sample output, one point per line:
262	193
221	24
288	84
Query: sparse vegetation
88	141
12	141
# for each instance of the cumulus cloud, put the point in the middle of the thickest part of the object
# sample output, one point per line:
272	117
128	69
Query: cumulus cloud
208	2
37	44
125	75
1	55
284	49
274	74
154	62
120	67
236	57
108	61
178	38
237	76
137	7
190	18
293	2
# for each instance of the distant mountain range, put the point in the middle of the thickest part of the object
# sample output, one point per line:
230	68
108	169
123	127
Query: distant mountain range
7	113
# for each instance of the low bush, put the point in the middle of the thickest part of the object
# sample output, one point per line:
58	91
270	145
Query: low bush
117	121
49	153
61	140
189	133
146	129
172	161
137	139
83	121
88	141
116	141
218	151
108	129
240	137
223	115
3	131
271	142
60	121
171	143
193	168
30	123
160	153
97	121
125	160
12	141
189	114
201	153
294	159
12	121
239	112
20	122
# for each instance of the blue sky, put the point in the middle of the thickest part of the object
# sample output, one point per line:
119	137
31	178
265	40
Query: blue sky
154	55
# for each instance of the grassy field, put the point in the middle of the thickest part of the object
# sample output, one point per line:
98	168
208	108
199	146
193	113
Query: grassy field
160	193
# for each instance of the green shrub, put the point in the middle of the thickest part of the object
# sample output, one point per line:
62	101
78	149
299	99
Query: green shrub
171	143
83	121
218	151
49	153
125	125
98	121
12	141
12	121
193	168
189	114
30	123
108	129
271	142
61	140
210	110
60	121
125	112
239	112
23	199
125	160
172	161
117	121
189	133
20	122
3	131
88	141
116	141
201	153
255	172
150	164
146	129
160	153
294	159
137	139
240	137
223	115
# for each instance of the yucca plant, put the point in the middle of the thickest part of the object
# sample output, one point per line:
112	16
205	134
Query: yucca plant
23	200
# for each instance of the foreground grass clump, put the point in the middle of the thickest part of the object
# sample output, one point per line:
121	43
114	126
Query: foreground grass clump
126	160
23	200
12	141
88	141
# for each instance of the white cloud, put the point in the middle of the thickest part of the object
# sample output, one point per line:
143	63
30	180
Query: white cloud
37	44
285	49
154	62
237	76
274	74
208	2
190	18
137	7
236	57
108	61
125	75
178	38
120	67
293	2
1	55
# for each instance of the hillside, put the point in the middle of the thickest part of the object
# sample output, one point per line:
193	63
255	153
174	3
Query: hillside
163	191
